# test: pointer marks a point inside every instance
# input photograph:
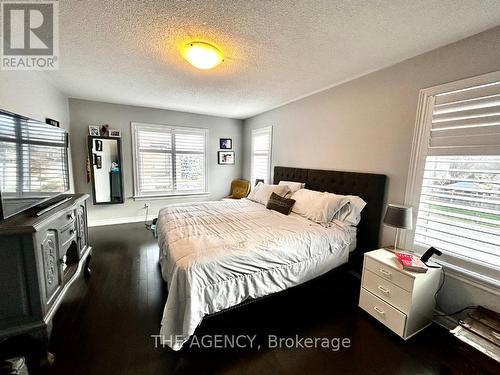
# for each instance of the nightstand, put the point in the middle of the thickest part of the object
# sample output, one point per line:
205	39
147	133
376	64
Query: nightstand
401	300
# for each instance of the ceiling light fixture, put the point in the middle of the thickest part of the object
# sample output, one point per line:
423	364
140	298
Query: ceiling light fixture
202	55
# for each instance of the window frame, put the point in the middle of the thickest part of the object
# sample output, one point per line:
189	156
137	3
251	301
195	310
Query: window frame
256	131
135	160
460	266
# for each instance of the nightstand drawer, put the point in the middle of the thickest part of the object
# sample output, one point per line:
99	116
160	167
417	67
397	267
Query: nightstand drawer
387	291
382	311
389	273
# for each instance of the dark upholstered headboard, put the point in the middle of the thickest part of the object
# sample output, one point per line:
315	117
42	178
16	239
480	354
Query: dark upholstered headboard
368	186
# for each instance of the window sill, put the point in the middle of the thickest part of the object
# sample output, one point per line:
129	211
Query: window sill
484	282
469	272
466	271
169	196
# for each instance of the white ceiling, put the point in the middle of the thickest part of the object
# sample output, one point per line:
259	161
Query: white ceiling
126	51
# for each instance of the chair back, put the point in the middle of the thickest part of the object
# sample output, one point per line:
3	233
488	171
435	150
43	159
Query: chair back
240	189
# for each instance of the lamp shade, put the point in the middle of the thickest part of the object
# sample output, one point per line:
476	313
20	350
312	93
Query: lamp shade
398	216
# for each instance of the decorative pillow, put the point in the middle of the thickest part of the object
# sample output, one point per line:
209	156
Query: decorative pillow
280	204
351	212
293	186
264	191
251	196
317	206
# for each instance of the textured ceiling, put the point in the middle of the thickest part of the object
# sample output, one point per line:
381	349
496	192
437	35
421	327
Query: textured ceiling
125	51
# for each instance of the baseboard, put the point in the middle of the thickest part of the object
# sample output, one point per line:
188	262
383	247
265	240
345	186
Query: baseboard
114	221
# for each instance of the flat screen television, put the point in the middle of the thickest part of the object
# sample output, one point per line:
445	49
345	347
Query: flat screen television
33	163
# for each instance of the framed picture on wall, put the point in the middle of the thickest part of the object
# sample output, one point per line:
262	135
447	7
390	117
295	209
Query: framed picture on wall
226	143
115	133
52	122
94	130
225	157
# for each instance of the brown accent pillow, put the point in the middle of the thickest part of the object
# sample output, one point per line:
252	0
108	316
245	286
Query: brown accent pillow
280	204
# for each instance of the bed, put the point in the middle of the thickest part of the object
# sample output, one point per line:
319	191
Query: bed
217	255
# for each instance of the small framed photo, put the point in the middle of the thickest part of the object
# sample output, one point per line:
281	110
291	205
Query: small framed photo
52	122
98	145
226	143
225	157
94	130
98	161
115	133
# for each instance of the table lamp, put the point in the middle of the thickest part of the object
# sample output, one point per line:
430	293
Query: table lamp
399	217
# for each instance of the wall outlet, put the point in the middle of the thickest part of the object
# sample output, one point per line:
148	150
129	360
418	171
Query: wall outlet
147	205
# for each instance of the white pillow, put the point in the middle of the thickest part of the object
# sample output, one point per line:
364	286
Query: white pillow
293	186
264	191
251	196
317	206
351	212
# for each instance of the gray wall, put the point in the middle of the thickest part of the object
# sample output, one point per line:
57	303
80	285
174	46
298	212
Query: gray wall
367	125
84	113
29	94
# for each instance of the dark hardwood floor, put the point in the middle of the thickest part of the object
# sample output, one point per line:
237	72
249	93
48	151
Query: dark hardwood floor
105	325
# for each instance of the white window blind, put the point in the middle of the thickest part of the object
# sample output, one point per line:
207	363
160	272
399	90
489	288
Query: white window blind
33	162
466	122
261	154
169	160
459	207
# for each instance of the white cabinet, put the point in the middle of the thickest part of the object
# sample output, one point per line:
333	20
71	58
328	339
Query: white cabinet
401	300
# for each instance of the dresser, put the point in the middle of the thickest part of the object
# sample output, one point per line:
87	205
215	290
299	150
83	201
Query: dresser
40	258
401	300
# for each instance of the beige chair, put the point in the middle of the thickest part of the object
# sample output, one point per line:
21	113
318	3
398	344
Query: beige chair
239	189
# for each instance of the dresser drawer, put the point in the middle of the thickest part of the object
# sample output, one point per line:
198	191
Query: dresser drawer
67	234
382	311
387	291
66	218
389	273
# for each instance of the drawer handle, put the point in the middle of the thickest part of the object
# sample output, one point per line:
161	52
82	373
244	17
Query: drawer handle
385	273
71	216
383	289
71	231
379	310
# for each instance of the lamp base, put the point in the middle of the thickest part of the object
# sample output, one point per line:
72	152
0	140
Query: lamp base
391	249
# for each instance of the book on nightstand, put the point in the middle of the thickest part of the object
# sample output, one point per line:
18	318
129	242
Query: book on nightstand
411	262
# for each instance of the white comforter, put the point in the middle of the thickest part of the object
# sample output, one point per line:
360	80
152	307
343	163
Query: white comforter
214	255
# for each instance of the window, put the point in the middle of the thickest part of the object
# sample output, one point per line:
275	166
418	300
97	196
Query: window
457	175
261	153
169	160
